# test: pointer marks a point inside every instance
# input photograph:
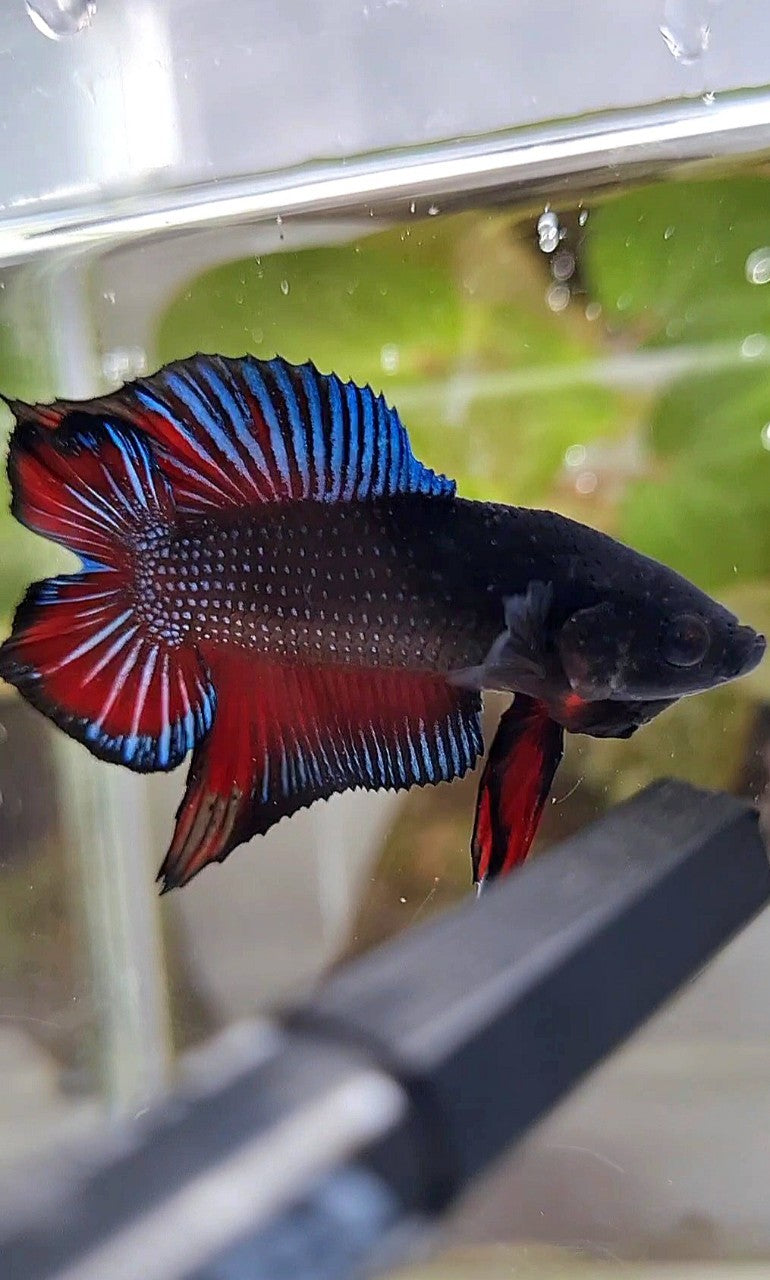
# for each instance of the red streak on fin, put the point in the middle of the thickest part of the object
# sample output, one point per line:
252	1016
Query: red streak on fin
517	777
285	735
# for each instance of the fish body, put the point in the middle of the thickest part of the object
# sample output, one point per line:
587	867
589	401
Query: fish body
272	580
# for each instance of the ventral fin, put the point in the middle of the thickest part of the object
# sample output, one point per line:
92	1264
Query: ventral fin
285	736
235	432
515	782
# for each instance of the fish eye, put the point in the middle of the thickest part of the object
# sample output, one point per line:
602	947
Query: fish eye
686	641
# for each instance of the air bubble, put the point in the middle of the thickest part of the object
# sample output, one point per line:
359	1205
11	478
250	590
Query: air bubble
563	265
586	482
753	346
583	217
558	297
57	19
548	231
575	456
758	266
285	287
389	358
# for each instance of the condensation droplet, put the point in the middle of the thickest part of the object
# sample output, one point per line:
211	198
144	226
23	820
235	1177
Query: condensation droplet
758	266
57	19
413	207
624	301
764	436
593	310
284	287
667	234
548	231
583	217
685	29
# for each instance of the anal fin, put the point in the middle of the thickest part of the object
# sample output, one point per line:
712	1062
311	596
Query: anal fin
286	735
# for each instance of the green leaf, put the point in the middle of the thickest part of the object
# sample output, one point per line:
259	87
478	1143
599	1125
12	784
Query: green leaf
672	259
450	321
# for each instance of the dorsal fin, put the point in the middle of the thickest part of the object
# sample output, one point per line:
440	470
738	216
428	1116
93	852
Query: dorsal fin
235	432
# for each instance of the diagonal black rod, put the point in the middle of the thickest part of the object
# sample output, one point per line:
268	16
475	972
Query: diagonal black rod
411	1070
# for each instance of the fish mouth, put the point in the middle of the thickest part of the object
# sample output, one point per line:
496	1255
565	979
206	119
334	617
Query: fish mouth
750	650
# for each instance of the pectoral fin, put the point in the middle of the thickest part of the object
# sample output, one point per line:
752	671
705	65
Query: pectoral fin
516	656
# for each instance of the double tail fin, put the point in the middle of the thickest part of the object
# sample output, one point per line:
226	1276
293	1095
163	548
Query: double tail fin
204	436
80	650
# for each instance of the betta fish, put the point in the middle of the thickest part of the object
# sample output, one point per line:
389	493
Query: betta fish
272	581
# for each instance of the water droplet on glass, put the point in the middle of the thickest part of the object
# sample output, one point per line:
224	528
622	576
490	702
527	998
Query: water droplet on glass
765	436
758	266
548	232
593	310
667	234
685	29
59	18
433	209
624	301
284	287
558	297
753	346
389	358
583	217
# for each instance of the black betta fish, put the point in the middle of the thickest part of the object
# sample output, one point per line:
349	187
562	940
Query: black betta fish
272	581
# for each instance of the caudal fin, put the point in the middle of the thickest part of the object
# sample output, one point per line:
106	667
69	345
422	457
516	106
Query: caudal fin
79	651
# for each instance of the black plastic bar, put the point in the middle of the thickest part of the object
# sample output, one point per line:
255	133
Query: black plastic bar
413	1069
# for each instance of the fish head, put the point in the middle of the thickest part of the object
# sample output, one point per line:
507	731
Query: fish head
660	639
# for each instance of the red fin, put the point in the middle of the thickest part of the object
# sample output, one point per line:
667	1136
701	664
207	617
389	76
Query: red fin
285	736
79	655
89	486
80	650
517	777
